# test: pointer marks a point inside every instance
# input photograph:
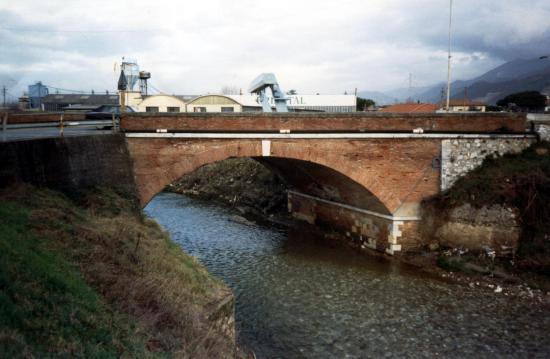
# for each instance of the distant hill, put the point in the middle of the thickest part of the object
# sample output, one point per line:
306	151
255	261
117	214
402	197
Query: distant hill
514	76
405	93
378	97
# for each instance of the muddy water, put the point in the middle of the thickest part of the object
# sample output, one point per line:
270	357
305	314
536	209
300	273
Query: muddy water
300	297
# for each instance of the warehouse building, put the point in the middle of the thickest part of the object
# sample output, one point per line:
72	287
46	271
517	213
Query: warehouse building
237	103
161	103
63	102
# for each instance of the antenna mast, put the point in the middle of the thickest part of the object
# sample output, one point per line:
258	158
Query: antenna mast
449	60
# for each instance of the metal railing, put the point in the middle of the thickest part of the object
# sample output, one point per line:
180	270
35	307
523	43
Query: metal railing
38	129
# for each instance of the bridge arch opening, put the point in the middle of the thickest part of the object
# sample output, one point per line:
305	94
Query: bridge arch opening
308	170
236	177
365	189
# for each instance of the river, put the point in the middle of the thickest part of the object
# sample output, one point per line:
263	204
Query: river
301	297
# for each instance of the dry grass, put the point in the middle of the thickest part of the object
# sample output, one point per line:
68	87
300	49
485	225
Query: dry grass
133	265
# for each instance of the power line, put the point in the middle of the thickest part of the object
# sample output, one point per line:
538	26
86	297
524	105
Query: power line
154	88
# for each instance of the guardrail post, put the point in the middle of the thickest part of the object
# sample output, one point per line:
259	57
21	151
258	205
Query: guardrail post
61	125
4	126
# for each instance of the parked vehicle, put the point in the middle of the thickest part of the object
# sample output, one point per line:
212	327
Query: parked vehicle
105	112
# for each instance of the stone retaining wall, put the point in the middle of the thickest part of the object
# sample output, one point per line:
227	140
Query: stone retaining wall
543	130
460	156
487	228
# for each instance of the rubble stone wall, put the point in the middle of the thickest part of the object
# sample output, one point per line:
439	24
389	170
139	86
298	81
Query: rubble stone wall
460	156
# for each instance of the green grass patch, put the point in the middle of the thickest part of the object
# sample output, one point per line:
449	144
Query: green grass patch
46	308
96	279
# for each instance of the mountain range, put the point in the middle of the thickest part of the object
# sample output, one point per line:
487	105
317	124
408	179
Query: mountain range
514	76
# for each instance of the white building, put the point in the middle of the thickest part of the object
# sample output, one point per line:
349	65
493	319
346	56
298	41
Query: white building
236	103
214	103
322	103
161	103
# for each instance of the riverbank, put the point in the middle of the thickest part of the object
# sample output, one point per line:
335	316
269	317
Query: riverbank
95	278
243	184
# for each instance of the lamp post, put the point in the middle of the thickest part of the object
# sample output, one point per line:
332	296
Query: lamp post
447	107
545	57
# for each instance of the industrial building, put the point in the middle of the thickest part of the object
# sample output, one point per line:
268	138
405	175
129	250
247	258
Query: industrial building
214	103
133	90
76	102
160	103
324	103
36	93
237	103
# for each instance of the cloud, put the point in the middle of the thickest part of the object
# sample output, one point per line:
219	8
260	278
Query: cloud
321	46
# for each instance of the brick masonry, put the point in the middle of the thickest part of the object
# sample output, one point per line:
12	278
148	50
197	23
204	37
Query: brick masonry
458	123
397	172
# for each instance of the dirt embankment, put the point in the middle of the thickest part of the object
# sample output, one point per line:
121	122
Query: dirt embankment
98	279
496	219
241	183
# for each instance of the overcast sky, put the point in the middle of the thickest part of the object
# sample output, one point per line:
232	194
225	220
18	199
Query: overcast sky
195	47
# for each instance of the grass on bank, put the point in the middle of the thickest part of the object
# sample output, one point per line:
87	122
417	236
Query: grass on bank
97	280
520	181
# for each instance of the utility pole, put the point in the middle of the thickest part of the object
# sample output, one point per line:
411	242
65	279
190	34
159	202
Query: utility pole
410	87
4	96
449	60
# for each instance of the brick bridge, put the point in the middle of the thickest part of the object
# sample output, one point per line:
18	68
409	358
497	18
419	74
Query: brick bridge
363	175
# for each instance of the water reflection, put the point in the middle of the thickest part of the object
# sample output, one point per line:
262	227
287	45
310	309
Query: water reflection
301	297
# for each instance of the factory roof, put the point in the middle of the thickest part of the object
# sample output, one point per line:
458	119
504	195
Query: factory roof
81	99
411	108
